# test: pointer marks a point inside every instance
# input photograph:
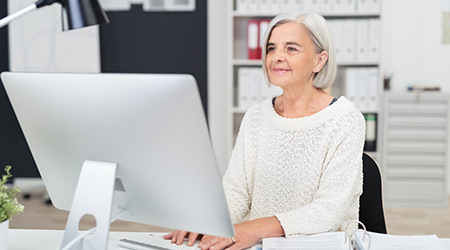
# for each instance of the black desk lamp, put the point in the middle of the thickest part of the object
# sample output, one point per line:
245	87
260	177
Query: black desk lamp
76	13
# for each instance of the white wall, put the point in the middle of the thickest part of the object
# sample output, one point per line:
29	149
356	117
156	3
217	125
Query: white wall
412	46
38	44
218	79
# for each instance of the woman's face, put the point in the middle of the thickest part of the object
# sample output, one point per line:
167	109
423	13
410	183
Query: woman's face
290	56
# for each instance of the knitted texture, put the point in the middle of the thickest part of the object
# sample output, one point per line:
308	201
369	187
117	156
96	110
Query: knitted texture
306	171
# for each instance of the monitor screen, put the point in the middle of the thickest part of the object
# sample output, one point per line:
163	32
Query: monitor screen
152	125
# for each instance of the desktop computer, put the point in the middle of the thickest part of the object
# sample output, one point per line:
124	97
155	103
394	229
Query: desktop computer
132	146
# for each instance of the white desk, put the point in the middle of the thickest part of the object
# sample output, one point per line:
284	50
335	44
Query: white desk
25	239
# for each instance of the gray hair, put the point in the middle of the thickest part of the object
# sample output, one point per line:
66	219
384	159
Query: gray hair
319	35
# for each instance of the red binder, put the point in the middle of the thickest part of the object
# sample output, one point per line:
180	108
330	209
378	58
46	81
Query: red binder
263	25
253	39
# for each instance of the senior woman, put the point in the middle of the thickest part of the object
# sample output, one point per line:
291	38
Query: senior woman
296	167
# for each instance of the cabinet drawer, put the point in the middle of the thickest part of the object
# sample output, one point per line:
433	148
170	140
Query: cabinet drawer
421	132
417	145
415	191
418	105
418	157
411	119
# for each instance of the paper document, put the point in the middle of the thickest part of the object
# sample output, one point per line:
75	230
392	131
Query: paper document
410	242
325	241
338	241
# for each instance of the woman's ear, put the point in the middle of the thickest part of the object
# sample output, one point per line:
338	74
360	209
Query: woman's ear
321	58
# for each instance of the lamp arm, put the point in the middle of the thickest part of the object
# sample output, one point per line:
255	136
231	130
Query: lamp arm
4	21
40	3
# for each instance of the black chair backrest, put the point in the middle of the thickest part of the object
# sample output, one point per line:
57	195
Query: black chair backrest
371	211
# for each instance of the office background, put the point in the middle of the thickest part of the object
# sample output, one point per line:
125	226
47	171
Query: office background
197	43
133	42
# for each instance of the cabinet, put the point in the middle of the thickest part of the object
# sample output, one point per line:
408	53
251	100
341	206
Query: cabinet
355	29
415	149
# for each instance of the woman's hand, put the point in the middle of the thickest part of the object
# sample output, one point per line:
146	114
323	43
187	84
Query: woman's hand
246	235
178	236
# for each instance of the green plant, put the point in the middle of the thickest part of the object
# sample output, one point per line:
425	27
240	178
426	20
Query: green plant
8	202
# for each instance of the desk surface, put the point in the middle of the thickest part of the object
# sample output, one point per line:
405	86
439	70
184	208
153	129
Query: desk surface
25	239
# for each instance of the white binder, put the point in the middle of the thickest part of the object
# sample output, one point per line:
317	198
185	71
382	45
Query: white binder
363	89
242	6
362	6
350	40
374	40
373	89
362	43
351	85
244	84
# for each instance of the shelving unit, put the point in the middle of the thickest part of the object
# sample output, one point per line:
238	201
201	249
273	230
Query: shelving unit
237	58
415	149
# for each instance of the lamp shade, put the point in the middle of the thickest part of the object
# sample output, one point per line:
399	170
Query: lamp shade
82	13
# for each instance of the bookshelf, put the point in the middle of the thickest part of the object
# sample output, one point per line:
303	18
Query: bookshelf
340	20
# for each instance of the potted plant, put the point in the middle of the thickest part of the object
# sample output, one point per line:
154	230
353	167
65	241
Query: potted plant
8	206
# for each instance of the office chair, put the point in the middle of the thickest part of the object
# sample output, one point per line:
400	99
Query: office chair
371	211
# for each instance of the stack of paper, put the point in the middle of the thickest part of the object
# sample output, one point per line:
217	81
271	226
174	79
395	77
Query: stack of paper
339	241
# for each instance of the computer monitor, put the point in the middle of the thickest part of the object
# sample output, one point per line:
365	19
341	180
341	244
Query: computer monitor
152	125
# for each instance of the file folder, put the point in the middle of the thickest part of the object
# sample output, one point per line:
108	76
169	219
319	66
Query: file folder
252	39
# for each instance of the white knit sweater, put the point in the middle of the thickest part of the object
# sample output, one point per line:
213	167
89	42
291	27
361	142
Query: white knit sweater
306	171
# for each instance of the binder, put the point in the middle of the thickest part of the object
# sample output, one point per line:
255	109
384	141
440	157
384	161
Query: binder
350	40
264	6
297	5
338	6
374	40
263	25
337	33
286	5
374	6
253	6
275	6
362	6
313	5
351	85
255	86
243	87
349	6
371	132
325	6
362	43
373	76
363	89
242	6
252	39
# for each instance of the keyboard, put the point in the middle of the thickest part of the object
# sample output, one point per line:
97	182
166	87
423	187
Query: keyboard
153	241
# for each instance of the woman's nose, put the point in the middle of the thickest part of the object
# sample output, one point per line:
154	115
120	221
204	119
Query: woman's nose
278	56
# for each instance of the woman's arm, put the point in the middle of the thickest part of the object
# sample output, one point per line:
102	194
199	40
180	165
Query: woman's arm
238	177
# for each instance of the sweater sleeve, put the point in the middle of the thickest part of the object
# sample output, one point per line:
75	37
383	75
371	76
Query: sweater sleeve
235	181
339	188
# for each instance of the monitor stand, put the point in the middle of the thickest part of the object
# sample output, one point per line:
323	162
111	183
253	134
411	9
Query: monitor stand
93	196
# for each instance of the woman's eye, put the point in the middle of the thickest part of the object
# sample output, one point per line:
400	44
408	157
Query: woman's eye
291	49
269	49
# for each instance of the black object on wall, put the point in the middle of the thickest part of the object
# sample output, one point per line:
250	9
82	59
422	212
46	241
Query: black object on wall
14	150
136	41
